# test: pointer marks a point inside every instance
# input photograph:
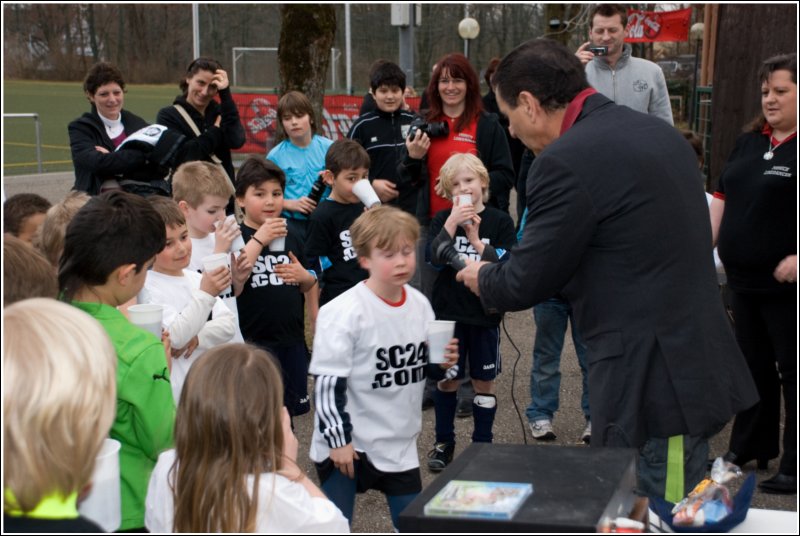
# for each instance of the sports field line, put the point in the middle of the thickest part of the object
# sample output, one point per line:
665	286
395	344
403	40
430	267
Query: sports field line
44	162
20	144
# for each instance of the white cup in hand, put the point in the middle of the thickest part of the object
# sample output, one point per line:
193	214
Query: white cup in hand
366	193
465	200
147	316
439	334
213	262
279	243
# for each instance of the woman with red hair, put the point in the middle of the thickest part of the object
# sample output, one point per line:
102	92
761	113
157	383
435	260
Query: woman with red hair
455	98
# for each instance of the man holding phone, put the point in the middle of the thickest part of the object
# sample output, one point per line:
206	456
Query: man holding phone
611	70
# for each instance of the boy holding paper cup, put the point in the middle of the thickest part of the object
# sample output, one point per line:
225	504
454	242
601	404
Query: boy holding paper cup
193	312
108	247
370	361
480	233
329	246
271	303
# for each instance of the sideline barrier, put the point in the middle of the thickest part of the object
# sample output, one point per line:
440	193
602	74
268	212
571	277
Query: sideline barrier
259	115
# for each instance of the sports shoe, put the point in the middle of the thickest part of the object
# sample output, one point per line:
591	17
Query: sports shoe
441	456
464	408
586	436
542	430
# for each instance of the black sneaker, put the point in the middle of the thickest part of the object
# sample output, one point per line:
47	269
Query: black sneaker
441	456
464	408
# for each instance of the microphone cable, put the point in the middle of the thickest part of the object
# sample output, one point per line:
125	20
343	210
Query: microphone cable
513	381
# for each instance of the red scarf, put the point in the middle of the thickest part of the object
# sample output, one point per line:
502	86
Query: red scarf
574	109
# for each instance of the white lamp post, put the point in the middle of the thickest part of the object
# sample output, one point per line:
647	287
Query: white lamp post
468	29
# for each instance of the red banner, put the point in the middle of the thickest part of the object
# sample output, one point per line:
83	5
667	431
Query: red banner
648	26
259	116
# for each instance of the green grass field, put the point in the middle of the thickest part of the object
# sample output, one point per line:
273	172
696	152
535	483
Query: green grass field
58	103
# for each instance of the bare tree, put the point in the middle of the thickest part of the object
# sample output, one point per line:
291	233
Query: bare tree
307	33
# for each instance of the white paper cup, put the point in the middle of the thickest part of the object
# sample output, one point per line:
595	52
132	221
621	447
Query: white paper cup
465	200
439	334
366	193
278	244
213	262
103	504
147	316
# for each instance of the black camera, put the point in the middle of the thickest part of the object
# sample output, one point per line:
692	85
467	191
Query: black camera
599	51
433	130
317	189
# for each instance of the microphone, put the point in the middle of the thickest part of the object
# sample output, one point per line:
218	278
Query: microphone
448	254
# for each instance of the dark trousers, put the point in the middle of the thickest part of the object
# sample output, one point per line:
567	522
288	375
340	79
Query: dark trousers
766	330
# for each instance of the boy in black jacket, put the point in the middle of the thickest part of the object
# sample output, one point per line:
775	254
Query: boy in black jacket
383	133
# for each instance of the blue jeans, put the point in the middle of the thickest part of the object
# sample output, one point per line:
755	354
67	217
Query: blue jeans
341	491
551	325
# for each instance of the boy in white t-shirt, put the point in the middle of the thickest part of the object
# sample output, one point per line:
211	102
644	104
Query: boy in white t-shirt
194	315
202	191
370	358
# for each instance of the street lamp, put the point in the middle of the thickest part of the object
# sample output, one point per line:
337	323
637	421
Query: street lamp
468	29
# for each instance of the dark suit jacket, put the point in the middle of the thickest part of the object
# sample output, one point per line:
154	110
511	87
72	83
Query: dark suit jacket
618	223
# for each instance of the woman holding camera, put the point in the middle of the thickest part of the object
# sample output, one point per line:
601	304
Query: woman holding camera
211	128
753	215
455	100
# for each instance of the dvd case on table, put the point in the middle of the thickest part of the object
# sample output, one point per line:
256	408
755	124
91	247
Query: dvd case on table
489	500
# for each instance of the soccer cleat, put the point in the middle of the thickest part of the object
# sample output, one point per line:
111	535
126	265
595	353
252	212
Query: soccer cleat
542	430
441	456
586	436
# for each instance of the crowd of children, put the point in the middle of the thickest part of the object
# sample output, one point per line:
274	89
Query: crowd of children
204	415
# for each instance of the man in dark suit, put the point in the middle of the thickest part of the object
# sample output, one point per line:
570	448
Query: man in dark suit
618	223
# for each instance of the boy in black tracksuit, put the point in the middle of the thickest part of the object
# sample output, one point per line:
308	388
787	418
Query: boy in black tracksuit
382	133
328	245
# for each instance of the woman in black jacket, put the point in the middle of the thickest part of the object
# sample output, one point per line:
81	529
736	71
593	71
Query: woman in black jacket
215	127
94	137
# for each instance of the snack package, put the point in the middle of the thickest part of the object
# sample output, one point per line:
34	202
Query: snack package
710	500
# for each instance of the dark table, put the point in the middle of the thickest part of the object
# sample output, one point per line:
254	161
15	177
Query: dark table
573	488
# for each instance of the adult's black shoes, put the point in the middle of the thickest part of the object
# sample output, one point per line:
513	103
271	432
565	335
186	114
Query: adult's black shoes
781	484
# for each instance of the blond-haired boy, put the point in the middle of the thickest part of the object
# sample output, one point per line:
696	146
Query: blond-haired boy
370	361
480	233
202	191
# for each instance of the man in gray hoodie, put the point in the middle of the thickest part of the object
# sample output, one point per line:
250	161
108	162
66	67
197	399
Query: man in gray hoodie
633	82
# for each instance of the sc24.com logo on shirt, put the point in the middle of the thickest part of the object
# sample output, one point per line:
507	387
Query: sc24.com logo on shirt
263	273
400	365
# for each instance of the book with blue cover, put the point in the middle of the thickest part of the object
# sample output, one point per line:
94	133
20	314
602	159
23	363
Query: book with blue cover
487	500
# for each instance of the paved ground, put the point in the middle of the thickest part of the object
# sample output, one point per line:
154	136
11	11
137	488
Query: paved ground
372	514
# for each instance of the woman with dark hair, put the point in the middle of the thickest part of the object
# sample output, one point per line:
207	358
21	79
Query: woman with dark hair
212	128
753	216
95	136
455	99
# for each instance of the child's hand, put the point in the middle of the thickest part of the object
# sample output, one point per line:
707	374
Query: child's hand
215	282
187	350
386	190
450	354
418	145
167	347
271	229
458	215
293	273
472	231
240	269
290	444
342	459
226	232
305	205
